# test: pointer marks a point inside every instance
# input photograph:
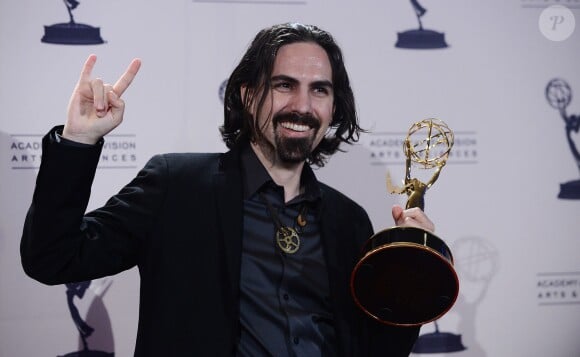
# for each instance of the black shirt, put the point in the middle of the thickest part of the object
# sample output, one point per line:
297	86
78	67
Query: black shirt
284	305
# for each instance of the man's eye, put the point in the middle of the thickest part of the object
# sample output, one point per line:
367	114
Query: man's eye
321	90
283	85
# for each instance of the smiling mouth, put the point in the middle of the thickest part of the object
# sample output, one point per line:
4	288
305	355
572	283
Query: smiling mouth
295	126
295	122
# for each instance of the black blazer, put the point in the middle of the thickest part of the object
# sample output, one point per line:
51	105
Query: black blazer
180	221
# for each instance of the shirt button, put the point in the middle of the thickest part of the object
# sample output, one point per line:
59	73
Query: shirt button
296	340
285	296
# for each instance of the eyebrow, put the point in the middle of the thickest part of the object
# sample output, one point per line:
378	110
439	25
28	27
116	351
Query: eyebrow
285	78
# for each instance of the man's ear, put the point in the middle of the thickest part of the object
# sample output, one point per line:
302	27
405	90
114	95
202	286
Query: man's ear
333	113
247	98
243	92
243	89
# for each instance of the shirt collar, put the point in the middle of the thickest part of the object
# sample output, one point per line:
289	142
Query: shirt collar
257	177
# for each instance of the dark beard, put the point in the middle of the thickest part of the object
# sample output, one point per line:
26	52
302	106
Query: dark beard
294	150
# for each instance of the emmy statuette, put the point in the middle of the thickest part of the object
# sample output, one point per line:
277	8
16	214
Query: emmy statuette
405	276
559	96
72	33
420	38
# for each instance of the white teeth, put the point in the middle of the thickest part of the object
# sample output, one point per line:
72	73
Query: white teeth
294	126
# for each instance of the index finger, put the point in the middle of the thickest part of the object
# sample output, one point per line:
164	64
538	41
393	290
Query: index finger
88	68
125	80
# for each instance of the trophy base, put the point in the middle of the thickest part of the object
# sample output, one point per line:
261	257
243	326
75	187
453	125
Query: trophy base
570	190
421	39
72	34
405	277
88	353
438	342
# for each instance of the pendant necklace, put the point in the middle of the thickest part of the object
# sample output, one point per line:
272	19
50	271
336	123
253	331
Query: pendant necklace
287	238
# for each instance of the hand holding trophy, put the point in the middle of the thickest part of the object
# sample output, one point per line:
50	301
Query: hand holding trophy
406	276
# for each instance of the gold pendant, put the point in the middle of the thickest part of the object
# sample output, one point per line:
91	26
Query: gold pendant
288	240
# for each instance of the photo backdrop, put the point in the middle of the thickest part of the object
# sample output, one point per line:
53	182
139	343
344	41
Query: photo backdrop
507	202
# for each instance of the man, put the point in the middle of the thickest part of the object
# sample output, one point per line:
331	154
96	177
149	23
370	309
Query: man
240	254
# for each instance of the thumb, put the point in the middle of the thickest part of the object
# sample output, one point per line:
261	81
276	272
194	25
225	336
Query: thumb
397	212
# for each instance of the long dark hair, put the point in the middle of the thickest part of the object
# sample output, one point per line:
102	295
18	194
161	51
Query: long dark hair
253	72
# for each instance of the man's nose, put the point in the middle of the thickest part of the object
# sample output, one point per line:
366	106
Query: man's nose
301	102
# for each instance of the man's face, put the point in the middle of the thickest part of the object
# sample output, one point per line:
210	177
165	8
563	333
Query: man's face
299	108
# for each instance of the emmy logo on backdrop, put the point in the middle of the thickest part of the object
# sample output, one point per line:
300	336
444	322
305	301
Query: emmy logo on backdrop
222	90
559	95
420	38
85	330
406	276
438	342
72	33
476	261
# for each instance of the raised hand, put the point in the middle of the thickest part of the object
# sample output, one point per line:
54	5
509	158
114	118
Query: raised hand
96	108
412	217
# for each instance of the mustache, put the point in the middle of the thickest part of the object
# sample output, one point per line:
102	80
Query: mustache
304	119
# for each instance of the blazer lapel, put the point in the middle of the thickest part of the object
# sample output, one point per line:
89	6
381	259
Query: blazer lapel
227	185
337	259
